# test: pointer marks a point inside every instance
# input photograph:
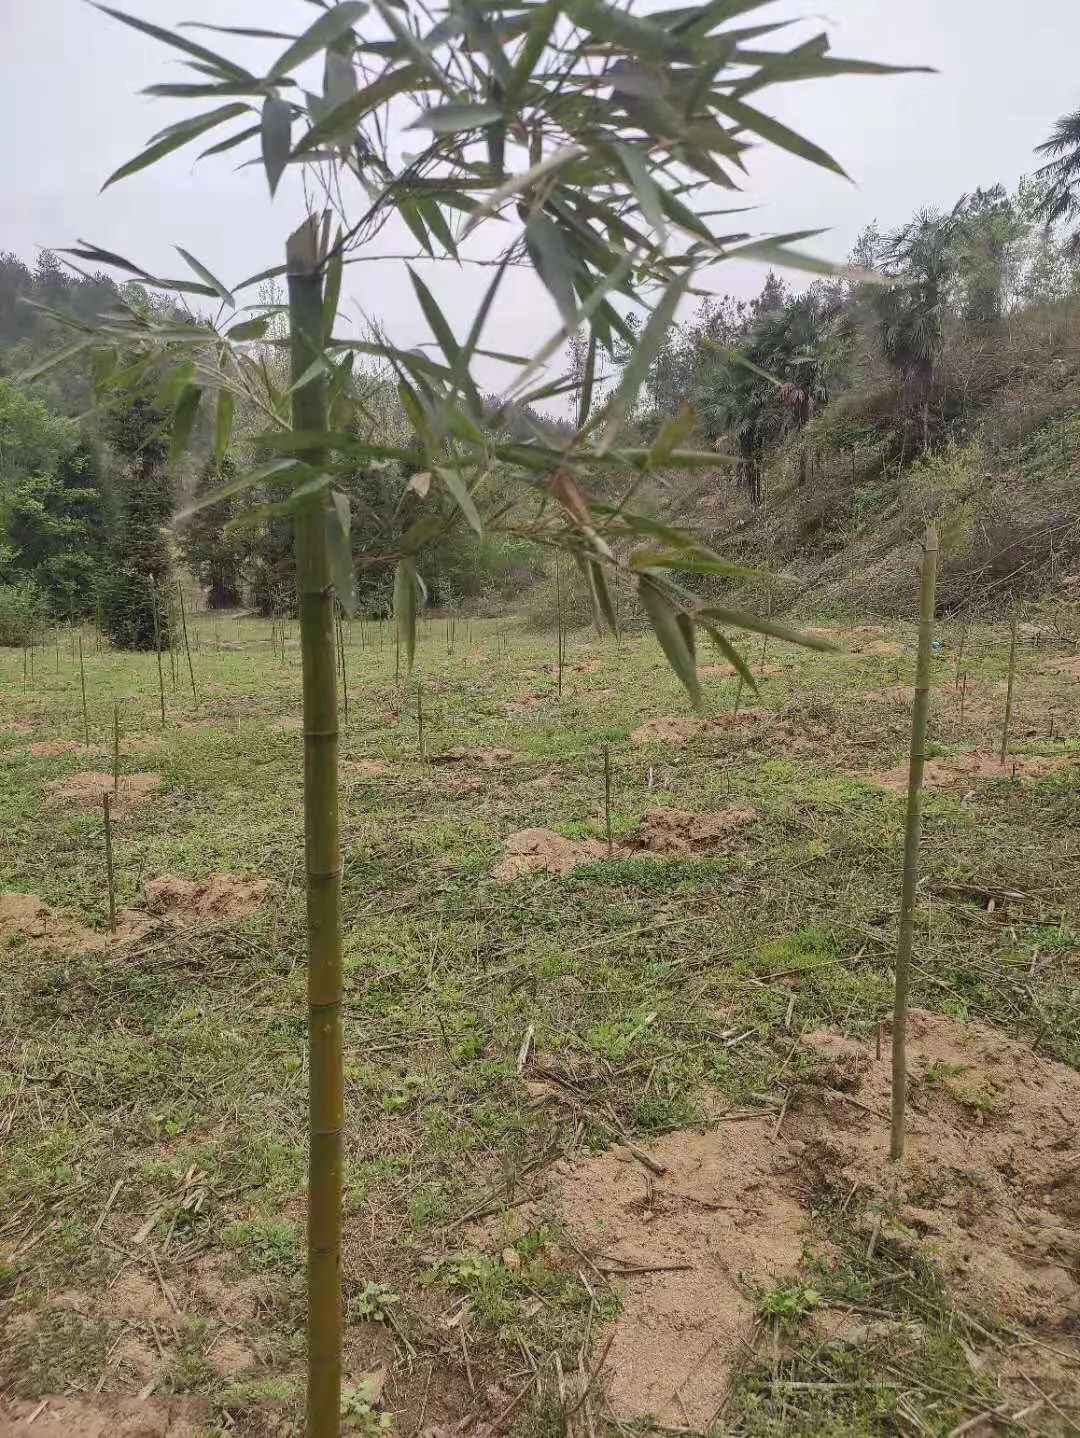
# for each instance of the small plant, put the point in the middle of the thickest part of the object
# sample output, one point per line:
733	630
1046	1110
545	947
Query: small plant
372	1304
788	1302
358	1411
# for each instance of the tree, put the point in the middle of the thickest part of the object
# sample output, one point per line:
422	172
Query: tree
592	129
987	229
145	500
214	552
1060	176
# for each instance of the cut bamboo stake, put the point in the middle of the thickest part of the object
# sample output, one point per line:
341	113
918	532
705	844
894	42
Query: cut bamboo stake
420	720
607	798
559	619
738	695
187	646
960	649
963	697
912	832
157	647
344	680
1009	684
106	806
322	852
116	746
82	685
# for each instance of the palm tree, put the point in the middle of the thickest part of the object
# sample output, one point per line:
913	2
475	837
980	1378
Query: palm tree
1060	176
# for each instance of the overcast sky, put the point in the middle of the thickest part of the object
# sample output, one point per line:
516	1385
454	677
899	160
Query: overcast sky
70	113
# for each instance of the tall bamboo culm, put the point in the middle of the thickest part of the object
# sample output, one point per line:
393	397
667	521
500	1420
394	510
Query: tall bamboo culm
912	834
326	1091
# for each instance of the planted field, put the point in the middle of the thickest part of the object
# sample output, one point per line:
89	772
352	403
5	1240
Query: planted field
616	1069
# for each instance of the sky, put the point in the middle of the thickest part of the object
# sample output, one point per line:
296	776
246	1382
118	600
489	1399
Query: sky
70	112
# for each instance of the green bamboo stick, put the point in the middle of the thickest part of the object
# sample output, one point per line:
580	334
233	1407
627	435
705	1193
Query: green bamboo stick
344	677
326	1085
116	746
82	686
607	799
187	646
109	875
157	648
559	619
912	834
420	720
1009	684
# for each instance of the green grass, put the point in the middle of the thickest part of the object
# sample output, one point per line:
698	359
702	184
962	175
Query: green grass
175	1074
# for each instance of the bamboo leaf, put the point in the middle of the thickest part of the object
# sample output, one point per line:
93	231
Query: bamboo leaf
332	290
739	619
252	329
554	263
747	118
330	26
204	274
276	138
341	122
231	143
440	328
462	498
218	63
181	134
277	467
342	574
732	655
663	616
645	351
455	116
223	422
601	594
405	606
643	185
53	361
187	406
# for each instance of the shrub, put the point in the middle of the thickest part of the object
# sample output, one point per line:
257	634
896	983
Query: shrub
20	614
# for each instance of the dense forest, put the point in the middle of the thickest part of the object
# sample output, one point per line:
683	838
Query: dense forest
837	410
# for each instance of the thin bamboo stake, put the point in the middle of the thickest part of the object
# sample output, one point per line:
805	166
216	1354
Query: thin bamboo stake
420	720
82	685
344	679
559	619
187	646
1009	684
963	697
738	695
109	875
912	834
607	798
157	648
323	860
116	746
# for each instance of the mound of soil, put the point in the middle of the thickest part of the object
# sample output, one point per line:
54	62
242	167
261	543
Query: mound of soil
480	758
989	1188
662	832
52	748
677	729
220	898
959	768
106	1418
366	768
87	789
28	917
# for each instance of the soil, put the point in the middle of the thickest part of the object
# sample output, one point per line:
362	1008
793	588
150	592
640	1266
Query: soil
1070	667
959	768
52	748
480	758
989	1188
88	788
661	833
675	729
107	1418
220	898
28	917
137	1297
366	768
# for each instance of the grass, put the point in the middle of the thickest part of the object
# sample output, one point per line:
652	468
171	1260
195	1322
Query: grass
159	1094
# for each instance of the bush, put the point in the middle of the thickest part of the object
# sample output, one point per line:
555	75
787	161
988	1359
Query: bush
20	615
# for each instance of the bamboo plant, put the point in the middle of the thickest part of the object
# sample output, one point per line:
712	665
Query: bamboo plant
912	835
604	137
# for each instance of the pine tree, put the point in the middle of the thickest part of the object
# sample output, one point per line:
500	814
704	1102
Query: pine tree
215	555
145	500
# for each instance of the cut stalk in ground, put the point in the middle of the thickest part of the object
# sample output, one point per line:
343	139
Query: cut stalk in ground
82	686
559	620
1009	683
912	833
116	746
420	720
960	649
109	875
157	648
607	798
326	1087
344	679
187	646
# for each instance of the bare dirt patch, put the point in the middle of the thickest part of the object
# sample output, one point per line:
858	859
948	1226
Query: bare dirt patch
87	789
137	1297
678	729
27	916
229	1357
19	726
960	768
1070	667
220	898
53	748
106	1418
991	1174
366	769
720	1219
479	758
989	1189
661	833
